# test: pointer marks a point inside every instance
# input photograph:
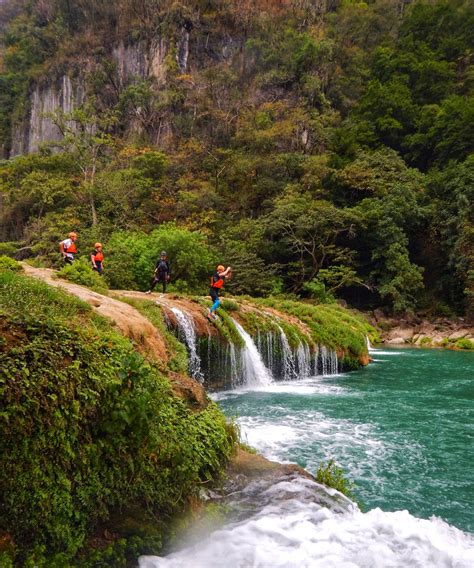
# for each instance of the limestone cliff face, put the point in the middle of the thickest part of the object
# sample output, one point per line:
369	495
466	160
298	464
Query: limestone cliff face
36	128
66	90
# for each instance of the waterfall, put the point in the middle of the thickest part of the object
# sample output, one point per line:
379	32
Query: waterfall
289	371
333	362
315	361
270	351
254	372
326	362
369	346
261	361
188	333
323	352
303	360
234	367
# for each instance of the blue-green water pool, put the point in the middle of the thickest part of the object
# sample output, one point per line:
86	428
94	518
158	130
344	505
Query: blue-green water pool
402	429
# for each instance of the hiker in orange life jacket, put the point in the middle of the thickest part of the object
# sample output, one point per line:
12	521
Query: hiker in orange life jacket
217	282
97	258
68	248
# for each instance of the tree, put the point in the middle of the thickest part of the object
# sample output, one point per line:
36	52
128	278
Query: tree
86	135
452	229
387	204
308	231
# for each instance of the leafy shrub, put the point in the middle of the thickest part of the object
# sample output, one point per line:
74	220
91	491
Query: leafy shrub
425	341
316	289
333	476
7	263
80	272
8	249
464	343
229	305
132	257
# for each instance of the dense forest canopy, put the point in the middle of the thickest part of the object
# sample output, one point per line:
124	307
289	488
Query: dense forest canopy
322	148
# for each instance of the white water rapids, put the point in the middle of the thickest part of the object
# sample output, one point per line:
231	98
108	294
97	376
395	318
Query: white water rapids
291	529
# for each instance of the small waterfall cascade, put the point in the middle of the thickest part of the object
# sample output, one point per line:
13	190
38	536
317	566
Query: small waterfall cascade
188	334
369	346
256	361
254	372
303	361
326	362
315	360
289	369
234	366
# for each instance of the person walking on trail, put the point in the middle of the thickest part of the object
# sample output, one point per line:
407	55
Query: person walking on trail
97	258
217	282
68	248
162	273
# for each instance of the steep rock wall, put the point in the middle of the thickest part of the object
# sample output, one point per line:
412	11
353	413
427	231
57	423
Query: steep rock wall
67	89
36	128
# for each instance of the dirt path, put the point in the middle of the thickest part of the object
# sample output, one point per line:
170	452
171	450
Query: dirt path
169	301
127	319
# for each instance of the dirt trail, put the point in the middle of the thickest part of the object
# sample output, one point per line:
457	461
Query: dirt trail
169	301
128	320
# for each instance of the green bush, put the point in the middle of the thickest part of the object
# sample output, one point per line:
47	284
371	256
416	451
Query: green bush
229	305
132	257
89	427
333	476
316	289
8	249
7	263
80	272
464	343
425	341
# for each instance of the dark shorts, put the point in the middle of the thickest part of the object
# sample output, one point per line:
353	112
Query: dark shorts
214	293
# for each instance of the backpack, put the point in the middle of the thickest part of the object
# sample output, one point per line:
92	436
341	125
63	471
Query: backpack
162	266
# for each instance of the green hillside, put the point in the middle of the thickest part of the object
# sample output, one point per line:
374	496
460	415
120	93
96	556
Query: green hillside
321	149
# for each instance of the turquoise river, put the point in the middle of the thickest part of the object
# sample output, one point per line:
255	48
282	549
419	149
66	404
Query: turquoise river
402	429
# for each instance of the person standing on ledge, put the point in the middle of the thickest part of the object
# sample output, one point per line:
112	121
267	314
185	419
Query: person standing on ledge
68	248
97	258
162	273
217	282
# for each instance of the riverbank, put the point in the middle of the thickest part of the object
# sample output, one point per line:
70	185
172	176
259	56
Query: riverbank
102	446
108	440
448	333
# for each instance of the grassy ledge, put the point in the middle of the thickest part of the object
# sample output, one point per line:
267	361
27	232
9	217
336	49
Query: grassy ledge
92	433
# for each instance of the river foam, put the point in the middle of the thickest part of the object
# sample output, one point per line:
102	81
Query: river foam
289	529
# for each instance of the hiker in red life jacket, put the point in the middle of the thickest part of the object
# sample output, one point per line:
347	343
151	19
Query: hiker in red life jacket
162	273
97	258
217	282
68	248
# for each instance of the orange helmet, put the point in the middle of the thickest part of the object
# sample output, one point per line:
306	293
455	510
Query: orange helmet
72	235
97	245
220	268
